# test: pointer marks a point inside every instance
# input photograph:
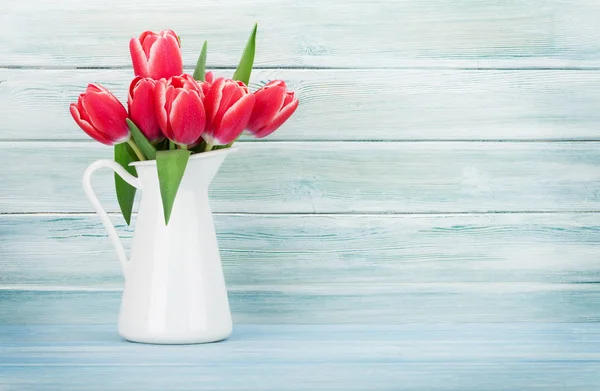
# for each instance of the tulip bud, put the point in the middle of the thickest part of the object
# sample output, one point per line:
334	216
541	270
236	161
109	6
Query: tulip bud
179	109
273	106
228	108
156	55
142	110
100	114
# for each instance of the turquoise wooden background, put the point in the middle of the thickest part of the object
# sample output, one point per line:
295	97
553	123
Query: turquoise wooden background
444	163
444	166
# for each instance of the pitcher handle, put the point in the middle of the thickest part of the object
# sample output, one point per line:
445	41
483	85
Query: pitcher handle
87	187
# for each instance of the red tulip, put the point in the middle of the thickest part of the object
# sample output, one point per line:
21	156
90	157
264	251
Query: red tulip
179	109
273	106
228	108
142	109
100	114
156	55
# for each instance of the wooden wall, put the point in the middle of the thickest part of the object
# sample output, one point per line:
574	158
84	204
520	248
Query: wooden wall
444	164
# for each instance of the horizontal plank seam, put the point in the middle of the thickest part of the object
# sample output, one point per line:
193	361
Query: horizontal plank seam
475	362
325	214
590	285
322	68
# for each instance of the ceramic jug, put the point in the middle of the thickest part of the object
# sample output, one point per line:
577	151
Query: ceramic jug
174	286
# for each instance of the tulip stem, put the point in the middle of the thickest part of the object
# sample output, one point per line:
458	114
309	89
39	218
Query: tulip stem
183	146
136	149
208	147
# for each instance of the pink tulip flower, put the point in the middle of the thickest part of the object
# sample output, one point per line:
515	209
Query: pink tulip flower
273	106
142	109
156	55
100	114
179	109
228	108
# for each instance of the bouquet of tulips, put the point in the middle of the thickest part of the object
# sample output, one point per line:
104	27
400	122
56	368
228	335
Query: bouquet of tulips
171	115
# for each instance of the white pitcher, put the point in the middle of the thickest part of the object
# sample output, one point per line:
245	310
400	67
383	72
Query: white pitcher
174	287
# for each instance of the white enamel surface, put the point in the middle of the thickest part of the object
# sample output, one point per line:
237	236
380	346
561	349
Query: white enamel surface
174	286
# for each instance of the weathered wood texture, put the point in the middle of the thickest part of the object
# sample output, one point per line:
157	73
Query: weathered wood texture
329	269
329	177
336	303
411	186
334	252
334	33
352	104
420	357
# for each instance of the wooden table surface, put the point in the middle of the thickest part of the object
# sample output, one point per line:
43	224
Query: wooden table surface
461	357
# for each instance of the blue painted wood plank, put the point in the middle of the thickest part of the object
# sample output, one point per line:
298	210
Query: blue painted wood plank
334	303
328	177
332	33
349	357
352	104
324	250
558	375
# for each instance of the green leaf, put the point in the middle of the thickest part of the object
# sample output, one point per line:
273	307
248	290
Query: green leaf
200	70
125	192
142	142
171	167
244	69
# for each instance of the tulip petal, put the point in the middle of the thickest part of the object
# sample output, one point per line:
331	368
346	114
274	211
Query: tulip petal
229	95
99	105
209	77
93	87
141	109
159	105
171	94
213	99
268	103
205	86
138	58
146	34
279	119
165	58
187	117
289	97
235	120
134	83
189	83
86	126
147	43
275	83
81	110
110	98
169	32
